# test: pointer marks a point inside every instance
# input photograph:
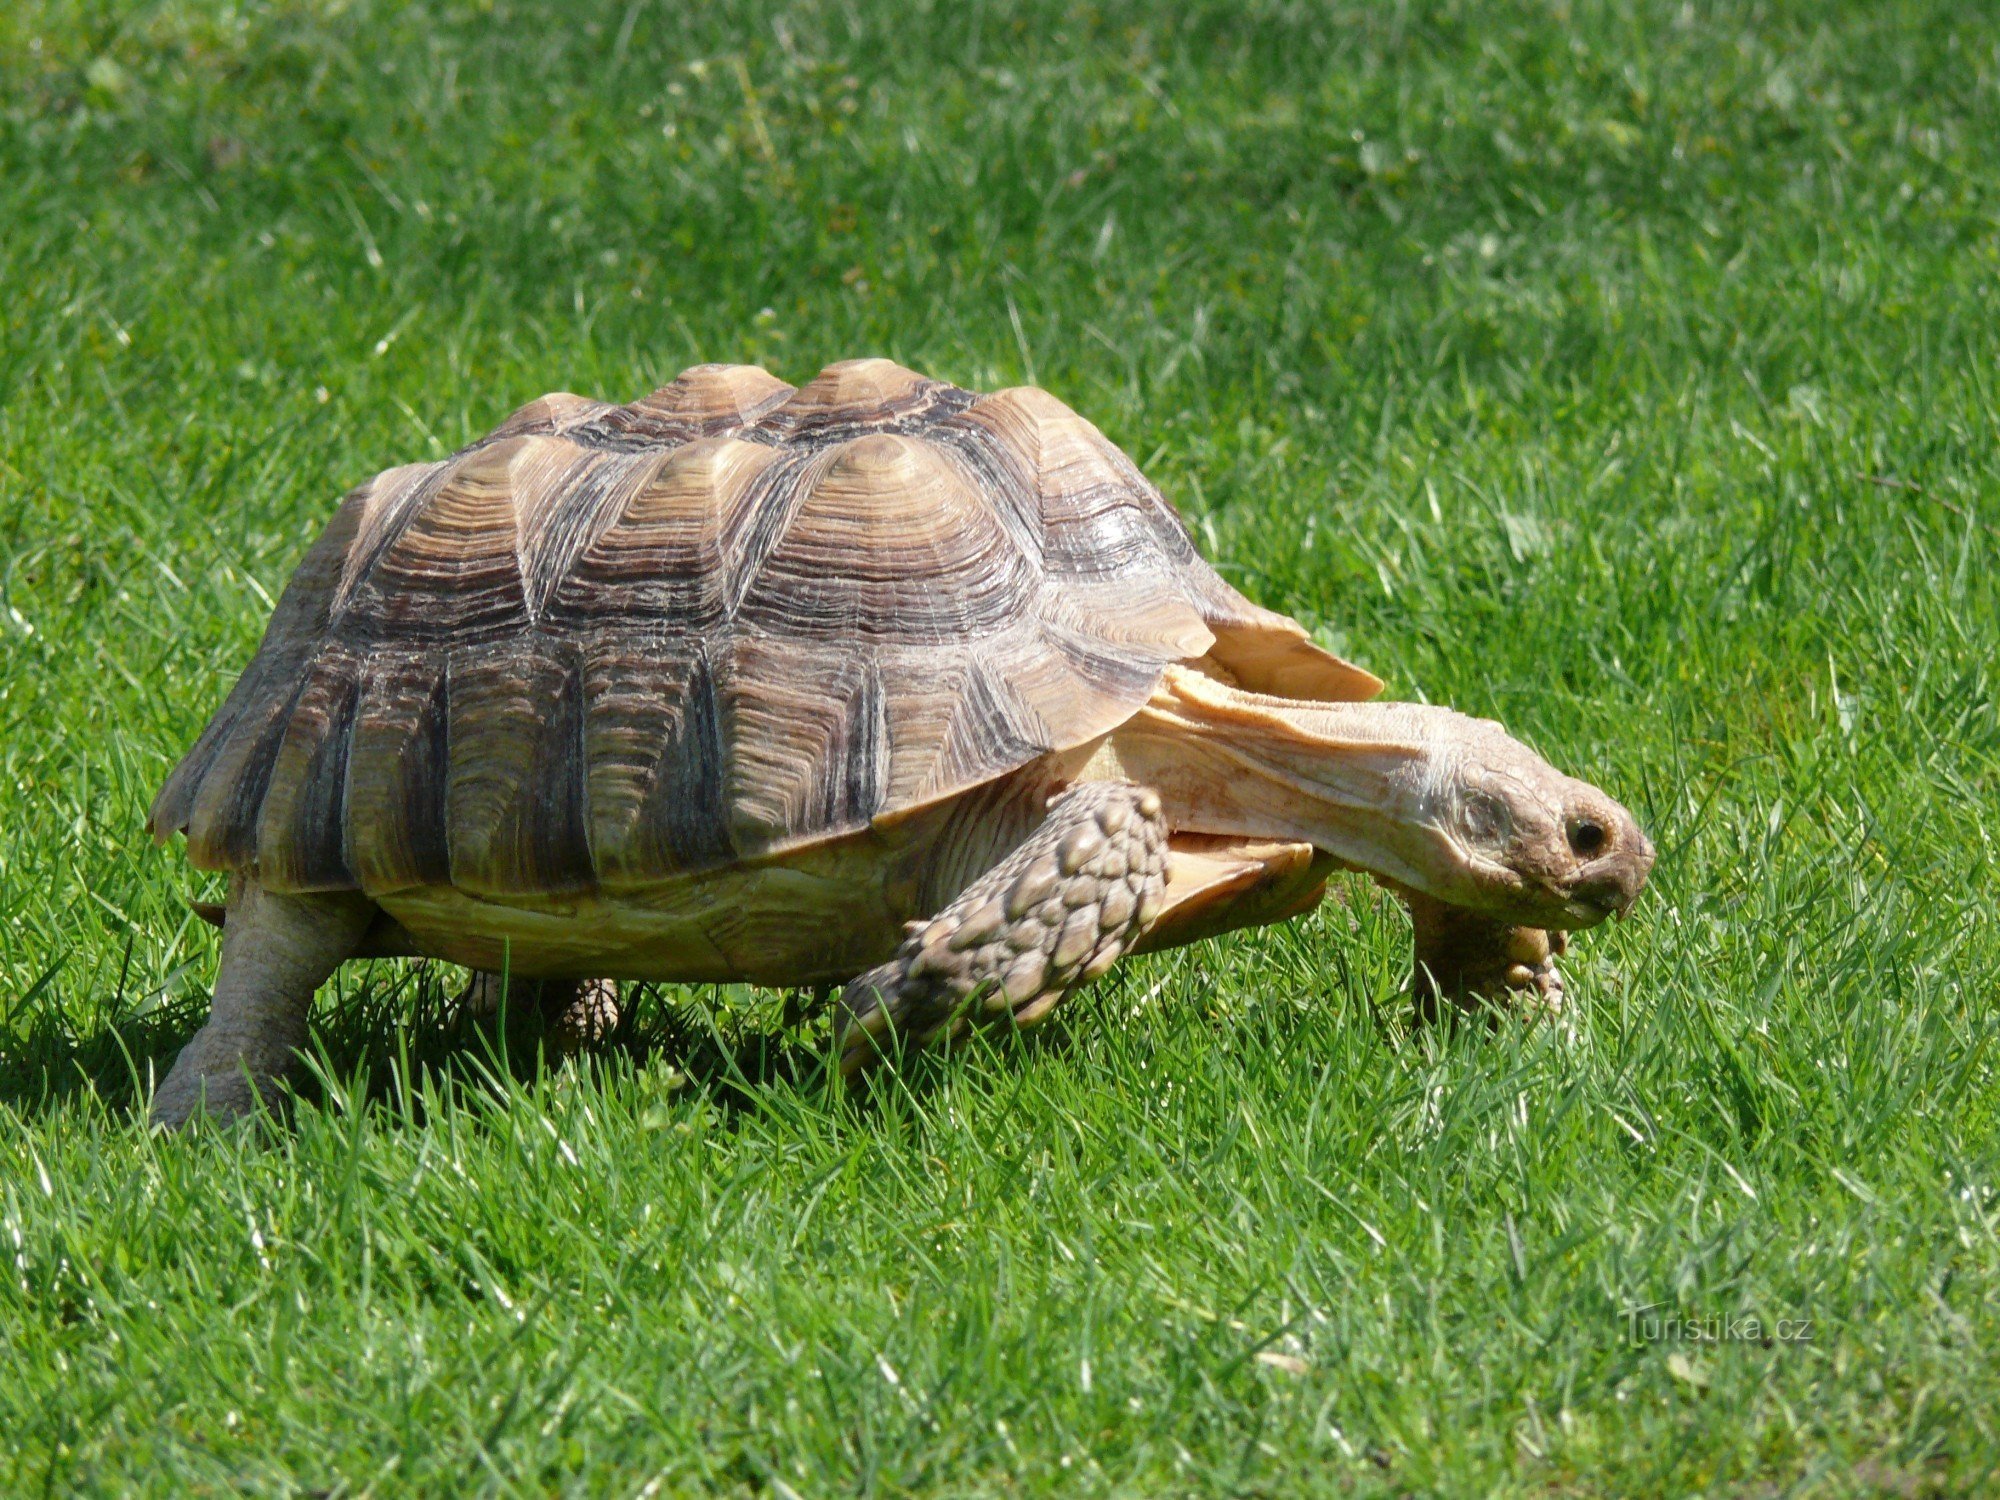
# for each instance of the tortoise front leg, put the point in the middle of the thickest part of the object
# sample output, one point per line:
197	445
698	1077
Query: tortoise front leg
1058	910
1466	963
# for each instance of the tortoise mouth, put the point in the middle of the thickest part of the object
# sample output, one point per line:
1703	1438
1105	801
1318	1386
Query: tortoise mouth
1611	886
1589	901
1529	899
1587	912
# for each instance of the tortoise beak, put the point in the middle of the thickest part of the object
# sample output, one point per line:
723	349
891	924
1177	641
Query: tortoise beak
1610	885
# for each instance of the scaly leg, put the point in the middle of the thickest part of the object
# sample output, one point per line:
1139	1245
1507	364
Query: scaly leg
1466	962
276	951
576	1013
1058	910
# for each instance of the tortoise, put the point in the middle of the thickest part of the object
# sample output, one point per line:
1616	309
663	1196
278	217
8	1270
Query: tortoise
875	681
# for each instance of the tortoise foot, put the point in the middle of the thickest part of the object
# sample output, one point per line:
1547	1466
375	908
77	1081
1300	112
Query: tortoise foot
1057	911
575	1013
1467	964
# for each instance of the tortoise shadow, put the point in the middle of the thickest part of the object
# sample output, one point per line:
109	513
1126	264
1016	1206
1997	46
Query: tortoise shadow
403	1040
738	1062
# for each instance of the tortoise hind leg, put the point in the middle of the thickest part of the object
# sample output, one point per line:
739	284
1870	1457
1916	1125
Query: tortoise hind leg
1056	911
276	951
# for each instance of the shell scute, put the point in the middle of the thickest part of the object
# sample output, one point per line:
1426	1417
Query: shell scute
660	552
223	809
1106	536
704	401
557	412
975	717
302	819
515	796
808	740
564	497
1099	514
888	542
860	396
452	569
398	772
653	759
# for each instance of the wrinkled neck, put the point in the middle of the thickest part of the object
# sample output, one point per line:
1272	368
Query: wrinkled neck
1364	782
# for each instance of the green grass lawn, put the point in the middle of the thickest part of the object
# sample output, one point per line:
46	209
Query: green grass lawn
1623	371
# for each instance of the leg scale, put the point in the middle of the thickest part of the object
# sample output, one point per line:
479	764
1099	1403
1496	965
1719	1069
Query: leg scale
1058	910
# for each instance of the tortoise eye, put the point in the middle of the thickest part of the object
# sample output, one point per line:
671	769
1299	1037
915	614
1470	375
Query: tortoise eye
1586	837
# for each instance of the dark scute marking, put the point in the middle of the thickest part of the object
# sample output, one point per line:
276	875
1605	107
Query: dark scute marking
1120	672
642	425
622	582
764	517
1169	530
399	774
588	506
636	686
453	571
997	474
485	603
314	839
427	788
685	810
557	808
992	729
637	429
229	842
857	785
388	530
1104	532
630	429
829	605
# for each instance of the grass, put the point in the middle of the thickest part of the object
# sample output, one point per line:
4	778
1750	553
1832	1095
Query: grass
1621	370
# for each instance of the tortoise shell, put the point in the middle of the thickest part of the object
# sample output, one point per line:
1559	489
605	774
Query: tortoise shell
608	644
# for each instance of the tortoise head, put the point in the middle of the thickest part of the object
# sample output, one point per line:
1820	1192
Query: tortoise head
1426	799
1510	835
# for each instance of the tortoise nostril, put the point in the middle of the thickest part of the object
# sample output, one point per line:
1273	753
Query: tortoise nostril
1587	837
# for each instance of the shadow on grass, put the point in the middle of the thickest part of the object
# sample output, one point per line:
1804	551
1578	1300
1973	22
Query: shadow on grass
402	1031
403	1035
